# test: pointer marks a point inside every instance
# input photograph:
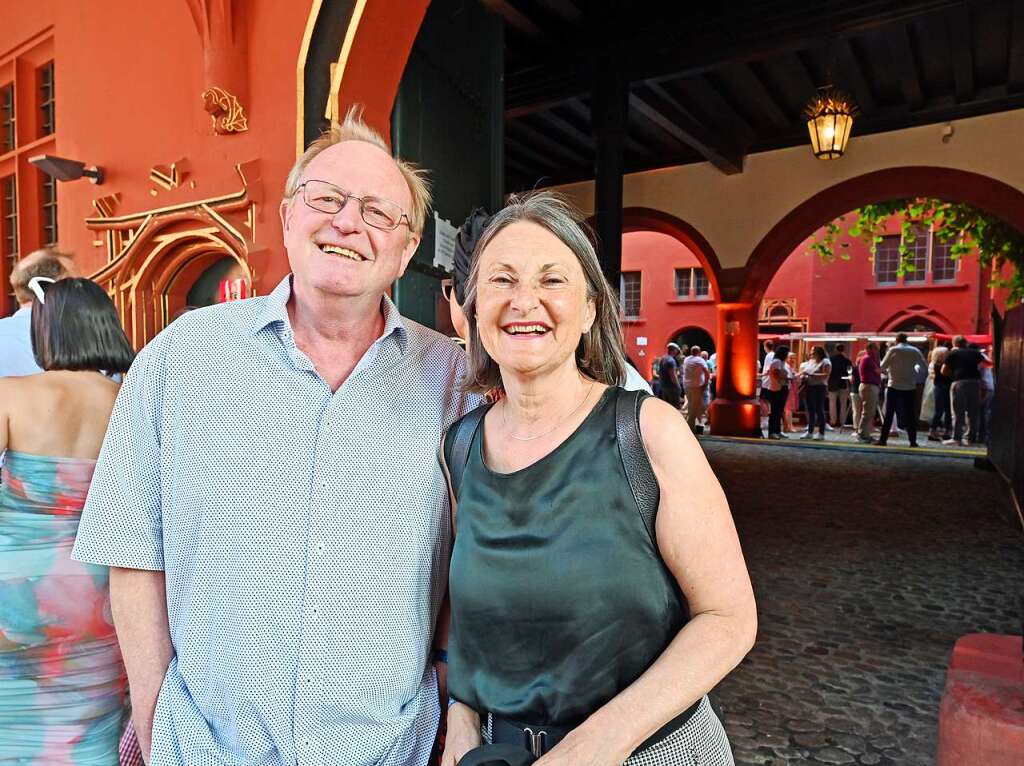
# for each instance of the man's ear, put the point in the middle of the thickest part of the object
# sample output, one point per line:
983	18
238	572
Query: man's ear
283	210
409	251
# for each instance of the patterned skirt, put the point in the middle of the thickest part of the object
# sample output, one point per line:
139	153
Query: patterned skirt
701	741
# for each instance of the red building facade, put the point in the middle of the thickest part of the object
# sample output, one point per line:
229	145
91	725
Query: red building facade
667	295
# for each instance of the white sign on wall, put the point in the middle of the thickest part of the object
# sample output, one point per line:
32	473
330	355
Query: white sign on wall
444	243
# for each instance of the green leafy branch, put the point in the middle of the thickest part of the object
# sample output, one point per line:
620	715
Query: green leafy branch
966	228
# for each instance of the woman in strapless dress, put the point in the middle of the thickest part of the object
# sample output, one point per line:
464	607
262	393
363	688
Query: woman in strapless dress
62	682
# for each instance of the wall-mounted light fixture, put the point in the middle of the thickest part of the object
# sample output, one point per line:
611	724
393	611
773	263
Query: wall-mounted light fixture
66	170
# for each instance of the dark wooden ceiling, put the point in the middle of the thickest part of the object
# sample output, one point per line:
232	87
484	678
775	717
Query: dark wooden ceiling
717	81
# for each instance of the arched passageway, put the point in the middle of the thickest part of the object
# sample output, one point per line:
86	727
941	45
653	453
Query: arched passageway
669	282
695	336
735	411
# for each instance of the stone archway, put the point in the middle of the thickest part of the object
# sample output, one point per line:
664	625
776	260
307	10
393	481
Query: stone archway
735	411
650	219
917	319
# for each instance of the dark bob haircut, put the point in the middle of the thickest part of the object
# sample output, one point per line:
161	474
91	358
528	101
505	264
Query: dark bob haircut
76	327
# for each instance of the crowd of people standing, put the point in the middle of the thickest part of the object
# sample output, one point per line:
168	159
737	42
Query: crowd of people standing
685	378
952	391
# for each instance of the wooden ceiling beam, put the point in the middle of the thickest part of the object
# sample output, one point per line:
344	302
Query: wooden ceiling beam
582	112
1015	76
535	138
795	71
535	157
852	77
514	17
665	52
961	51
762	97
901	51
686	131
699	88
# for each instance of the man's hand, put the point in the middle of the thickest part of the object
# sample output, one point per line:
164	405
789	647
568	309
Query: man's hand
463	733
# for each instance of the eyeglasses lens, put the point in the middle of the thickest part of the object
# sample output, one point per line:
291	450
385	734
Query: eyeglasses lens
326	198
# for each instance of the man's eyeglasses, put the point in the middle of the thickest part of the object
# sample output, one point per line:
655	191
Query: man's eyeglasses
327	198
446	288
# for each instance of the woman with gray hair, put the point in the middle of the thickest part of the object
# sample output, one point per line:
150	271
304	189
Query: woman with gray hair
591	611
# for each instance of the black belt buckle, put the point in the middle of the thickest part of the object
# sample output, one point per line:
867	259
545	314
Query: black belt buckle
536	743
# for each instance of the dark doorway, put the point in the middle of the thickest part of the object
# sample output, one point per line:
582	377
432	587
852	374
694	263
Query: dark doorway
690	336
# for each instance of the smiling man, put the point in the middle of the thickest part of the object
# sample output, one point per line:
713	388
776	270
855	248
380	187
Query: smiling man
269	495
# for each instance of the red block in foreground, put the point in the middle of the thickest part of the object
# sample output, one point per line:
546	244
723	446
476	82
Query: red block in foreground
982	716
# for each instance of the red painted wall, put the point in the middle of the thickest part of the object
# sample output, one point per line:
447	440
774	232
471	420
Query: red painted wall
662	315
129	78
845	291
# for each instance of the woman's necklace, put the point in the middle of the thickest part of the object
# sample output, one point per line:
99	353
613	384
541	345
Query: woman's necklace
504	418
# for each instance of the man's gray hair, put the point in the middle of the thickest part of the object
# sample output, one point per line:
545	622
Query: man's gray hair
353	128
601	352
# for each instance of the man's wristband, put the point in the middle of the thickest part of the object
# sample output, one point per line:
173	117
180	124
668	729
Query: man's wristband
441	655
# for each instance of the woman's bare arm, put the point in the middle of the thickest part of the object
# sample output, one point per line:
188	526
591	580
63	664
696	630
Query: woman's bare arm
698	541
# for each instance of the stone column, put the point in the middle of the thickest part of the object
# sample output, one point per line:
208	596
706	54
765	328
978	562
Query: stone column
735	411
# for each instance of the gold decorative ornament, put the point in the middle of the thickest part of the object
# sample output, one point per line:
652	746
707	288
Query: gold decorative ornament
225	111
829	122
169	177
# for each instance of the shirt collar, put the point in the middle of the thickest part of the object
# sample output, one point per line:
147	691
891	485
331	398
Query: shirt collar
22	311
275	311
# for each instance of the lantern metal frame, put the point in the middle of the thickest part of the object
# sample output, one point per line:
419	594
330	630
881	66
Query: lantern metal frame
829	122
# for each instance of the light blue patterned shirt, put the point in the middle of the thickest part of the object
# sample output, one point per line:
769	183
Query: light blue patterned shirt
16	357
304	535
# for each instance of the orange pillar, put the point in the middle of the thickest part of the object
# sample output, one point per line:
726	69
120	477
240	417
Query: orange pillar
735	411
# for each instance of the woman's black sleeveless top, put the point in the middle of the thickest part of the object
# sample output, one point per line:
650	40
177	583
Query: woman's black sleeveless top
559	598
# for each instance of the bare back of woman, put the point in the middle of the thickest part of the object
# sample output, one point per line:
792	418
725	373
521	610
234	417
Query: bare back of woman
62	413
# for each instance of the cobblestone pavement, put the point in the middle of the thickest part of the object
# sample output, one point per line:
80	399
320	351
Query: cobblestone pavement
867	568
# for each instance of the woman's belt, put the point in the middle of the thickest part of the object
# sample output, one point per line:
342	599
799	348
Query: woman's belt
540	738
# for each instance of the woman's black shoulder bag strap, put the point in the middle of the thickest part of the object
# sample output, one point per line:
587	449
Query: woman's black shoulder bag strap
642	480
457	443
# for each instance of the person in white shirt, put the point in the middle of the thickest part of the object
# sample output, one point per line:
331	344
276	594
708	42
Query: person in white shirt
905	364
776	391
696	377
16	357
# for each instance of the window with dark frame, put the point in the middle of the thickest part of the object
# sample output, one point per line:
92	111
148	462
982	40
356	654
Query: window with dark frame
7	139
630	294
887	260
701	285
47	117
49	210
683	282
9	233
943	263
917	256
692	283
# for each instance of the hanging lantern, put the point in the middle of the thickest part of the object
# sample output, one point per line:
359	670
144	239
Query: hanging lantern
829	121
